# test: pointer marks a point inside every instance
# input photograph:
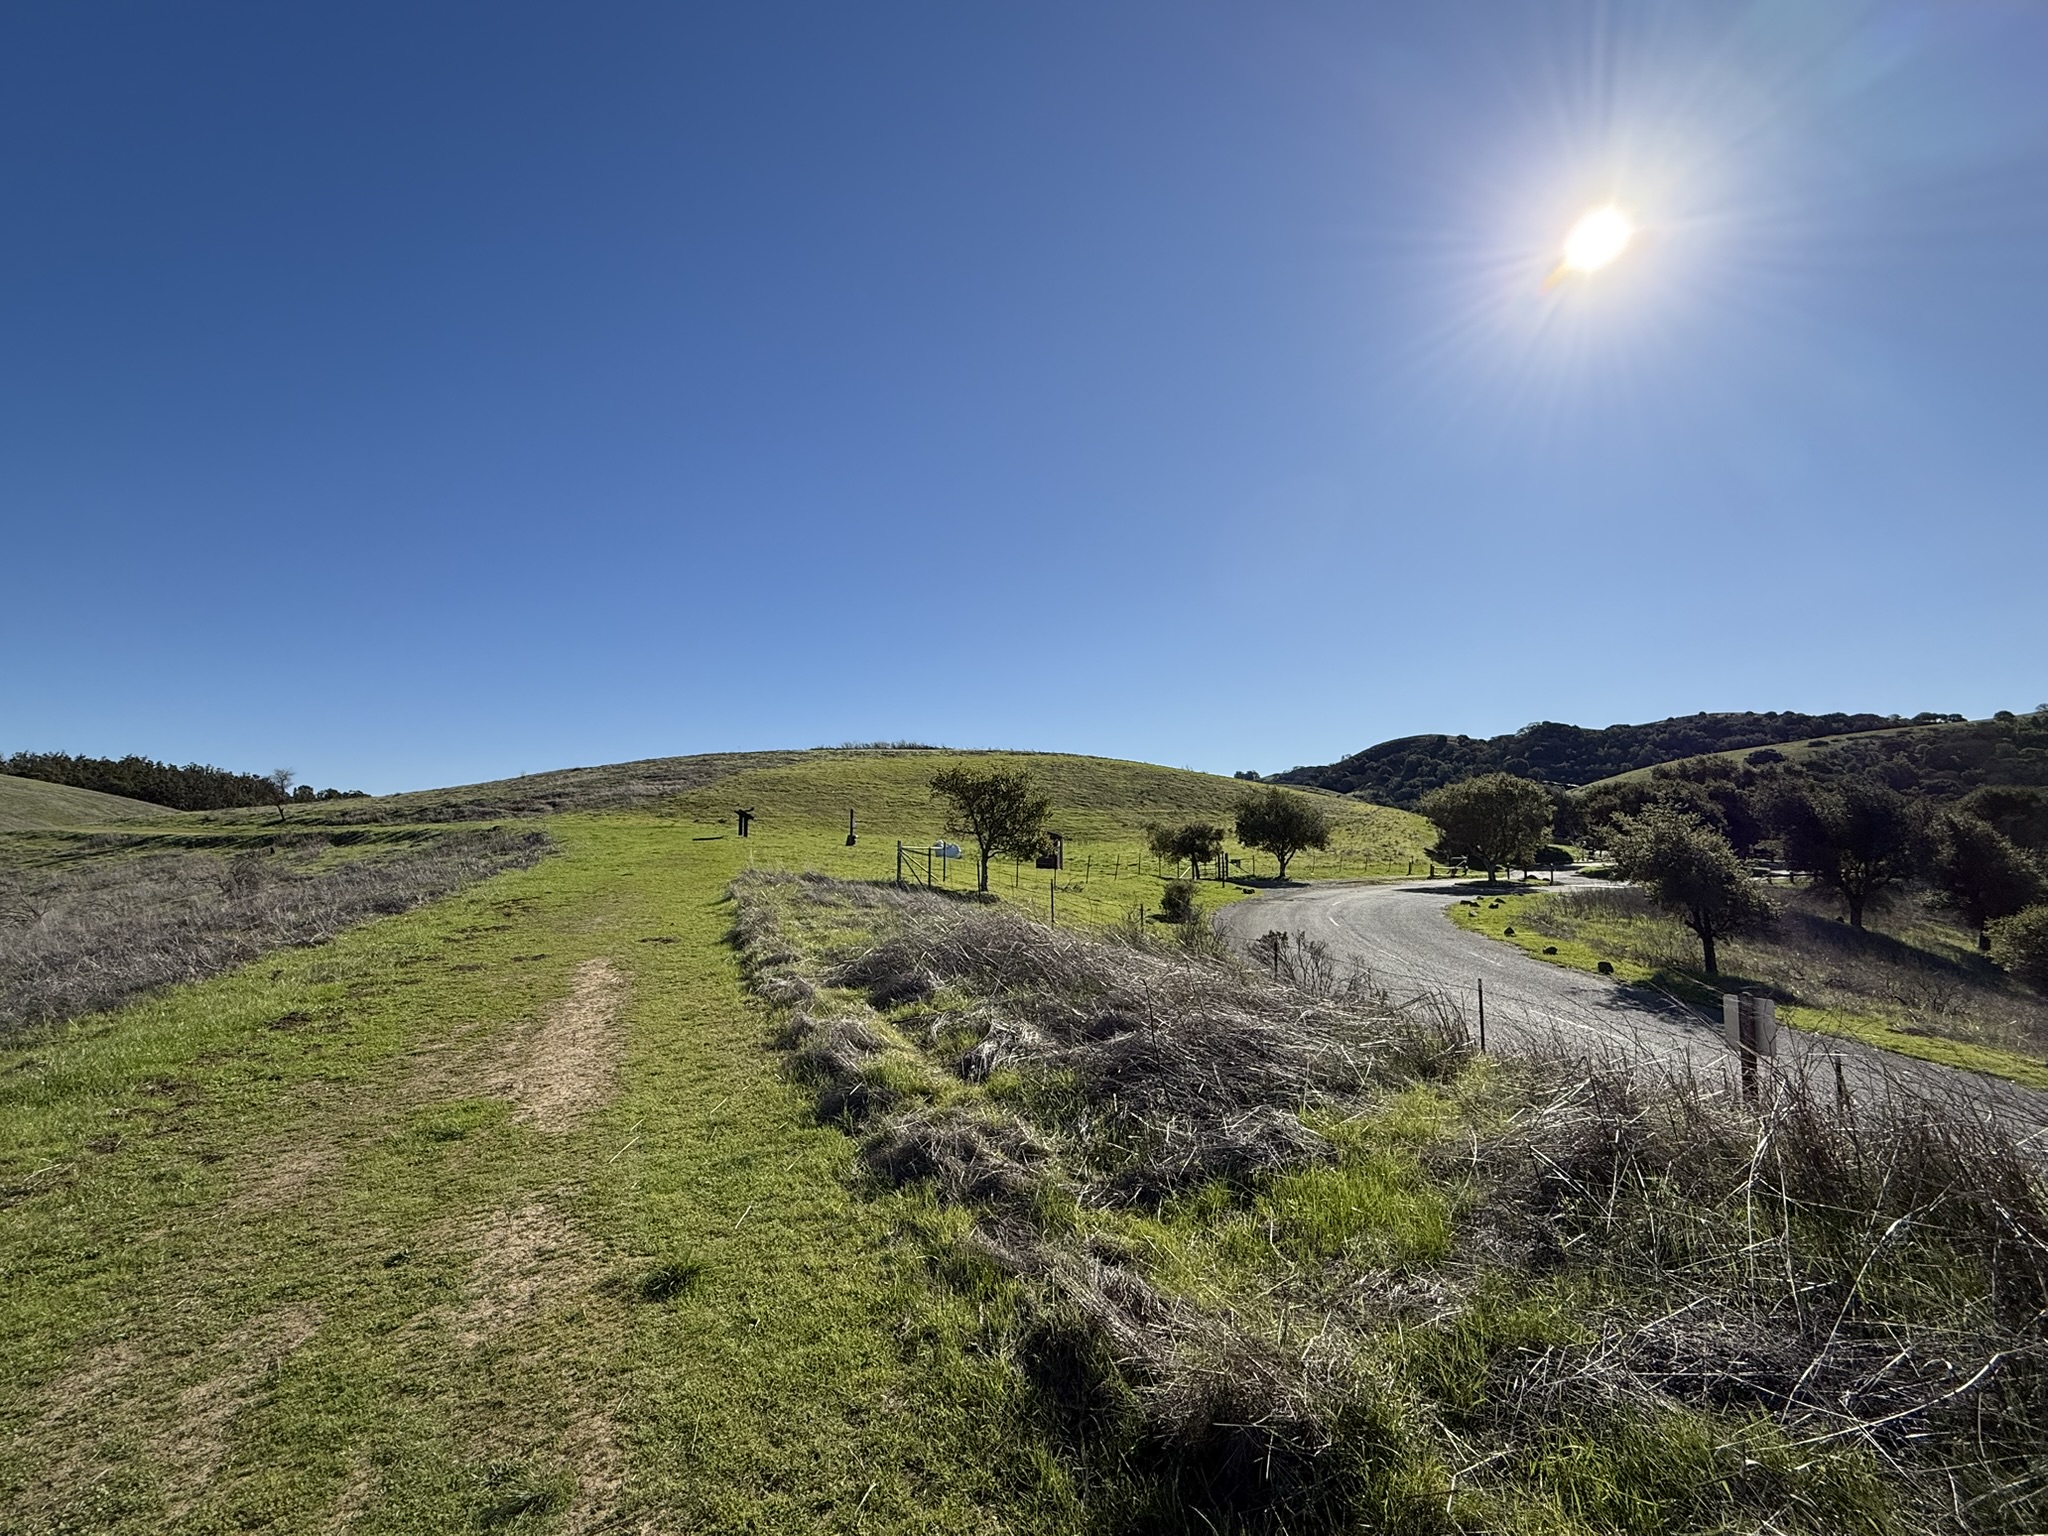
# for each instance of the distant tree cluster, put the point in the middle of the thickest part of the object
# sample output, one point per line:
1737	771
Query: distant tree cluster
1401	772
193	787
1682	834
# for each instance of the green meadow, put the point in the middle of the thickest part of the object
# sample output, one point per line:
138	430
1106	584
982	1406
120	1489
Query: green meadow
501	1214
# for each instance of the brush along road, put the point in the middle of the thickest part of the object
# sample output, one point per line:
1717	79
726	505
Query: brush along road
1402	938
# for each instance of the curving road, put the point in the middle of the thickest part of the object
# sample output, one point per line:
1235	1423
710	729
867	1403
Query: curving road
1402	937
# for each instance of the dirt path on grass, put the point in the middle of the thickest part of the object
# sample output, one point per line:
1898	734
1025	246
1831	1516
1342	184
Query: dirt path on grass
1402	936
570	1064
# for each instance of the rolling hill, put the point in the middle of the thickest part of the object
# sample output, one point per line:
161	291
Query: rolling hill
29	805
1944	760
1400	772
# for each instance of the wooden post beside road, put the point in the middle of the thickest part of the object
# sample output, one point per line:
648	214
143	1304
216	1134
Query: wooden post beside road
1749	1023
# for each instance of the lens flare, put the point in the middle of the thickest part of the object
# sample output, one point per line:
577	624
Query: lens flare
1597	239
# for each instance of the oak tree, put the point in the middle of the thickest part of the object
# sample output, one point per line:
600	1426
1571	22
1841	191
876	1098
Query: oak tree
1488	821
1002	809
1690	870
1282	822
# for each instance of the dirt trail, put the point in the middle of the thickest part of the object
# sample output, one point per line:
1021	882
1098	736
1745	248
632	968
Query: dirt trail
567	1066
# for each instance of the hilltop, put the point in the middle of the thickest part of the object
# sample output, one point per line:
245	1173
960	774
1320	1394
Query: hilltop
1400	772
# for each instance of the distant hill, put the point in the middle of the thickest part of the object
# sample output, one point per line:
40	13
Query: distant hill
28	805
2006	751
1399	772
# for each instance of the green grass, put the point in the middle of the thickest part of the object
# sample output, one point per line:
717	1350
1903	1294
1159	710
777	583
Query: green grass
283	1251
287	1225
1101	805
1581	943
30	805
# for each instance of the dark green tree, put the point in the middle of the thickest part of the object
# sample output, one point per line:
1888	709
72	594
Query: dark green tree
1282	822
1488	821
2020	811
1690	870
2020	944
1856	838
1002	809
1194	844
1980	873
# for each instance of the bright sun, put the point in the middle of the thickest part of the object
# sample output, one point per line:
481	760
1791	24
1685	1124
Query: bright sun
1597	239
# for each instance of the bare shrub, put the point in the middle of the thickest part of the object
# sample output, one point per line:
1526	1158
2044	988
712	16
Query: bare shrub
1149	1069
94	931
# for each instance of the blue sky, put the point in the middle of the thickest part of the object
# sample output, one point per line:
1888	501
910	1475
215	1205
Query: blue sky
416	394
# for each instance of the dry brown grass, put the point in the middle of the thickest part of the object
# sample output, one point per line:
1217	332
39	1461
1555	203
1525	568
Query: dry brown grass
113	917
568	1065
1654	1306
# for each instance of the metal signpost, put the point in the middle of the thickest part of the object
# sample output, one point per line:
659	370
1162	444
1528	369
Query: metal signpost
1749	1024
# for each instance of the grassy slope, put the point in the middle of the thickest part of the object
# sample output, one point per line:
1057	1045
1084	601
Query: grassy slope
1589	945
29	805
280	1252
1794	751
1101	805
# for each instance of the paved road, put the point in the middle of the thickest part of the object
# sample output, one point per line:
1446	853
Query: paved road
1402	936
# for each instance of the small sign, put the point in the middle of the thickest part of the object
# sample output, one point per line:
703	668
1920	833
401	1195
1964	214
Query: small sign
946	850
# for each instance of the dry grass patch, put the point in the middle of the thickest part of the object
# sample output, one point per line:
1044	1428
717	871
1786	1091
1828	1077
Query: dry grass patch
103	918
1273	1254
568	1065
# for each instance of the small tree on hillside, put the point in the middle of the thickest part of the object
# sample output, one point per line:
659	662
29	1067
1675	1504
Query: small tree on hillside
1691	871
1488	821
1980	873
2020	944
280	781
1857	840
1195	844
1002	809
1282	823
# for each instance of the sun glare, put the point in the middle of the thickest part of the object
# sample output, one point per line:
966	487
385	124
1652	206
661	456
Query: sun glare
1597	239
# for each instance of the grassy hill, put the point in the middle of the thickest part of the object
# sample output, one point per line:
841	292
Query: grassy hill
29	805
1400	772
1944	759
1803	751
